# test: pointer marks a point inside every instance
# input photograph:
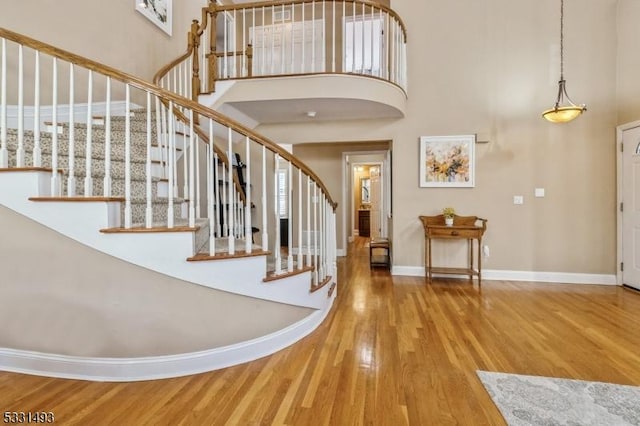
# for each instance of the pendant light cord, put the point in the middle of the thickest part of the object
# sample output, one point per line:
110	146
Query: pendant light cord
561	39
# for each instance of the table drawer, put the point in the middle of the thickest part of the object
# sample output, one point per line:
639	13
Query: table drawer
454	233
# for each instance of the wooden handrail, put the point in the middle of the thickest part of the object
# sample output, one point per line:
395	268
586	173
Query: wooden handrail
166	96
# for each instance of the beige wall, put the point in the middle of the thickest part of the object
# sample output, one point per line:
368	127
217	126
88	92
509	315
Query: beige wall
628	61
112	33
490	68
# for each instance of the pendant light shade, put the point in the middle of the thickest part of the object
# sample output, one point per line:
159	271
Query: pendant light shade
564	109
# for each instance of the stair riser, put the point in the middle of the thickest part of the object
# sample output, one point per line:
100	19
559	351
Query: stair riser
138	151
139	212
138	170
138	188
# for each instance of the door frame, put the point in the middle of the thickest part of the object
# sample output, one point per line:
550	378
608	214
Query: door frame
347	188
619	158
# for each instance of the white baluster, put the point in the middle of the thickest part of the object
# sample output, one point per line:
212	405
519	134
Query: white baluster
211	199
304	37
20	150
149	208
315	233
180	80
353	37
127	158
387	47
192	178
324	37
293	37
309	221
363	62
197	173
313	36
216	187
55	186
273	38
248	234
282	39
253	37
373	38
225	206
263	46
71	179
381	53
4	152
299	258
37	149
333	37
244	43
186	154
322	236
265	234
107	143
224	49
276	185
234	45
88	179
290	219
232	248
172	165
163	140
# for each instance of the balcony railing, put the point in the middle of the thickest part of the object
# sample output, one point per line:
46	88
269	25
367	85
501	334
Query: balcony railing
290	38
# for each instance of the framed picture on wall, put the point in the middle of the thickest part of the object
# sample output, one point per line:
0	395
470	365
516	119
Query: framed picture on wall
157	11
447	161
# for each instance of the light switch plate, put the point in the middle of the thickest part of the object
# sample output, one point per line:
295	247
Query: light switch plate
518	199
539	192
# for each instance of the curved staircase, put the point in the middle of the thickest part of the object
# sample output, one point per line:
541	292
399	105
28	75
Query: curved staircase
152	186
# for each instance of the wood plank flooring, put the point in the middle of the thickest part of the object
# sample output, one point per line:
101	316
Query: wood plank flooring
393	351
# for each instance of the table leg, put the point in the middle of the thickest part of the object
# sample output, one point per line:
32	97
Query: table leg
479	261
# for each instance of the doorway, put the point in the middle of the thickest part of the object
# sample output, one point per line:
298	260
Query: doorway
629	204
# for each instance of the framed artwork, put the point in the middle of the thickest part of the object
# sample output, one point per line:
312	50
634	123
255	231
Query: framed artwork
157	11
447	161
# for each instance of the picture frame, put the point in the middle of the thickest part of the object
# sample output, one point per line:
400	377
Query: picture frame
447	161
159	12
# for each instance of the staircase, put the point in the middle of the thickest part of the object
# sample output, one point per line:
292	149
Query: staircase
153	187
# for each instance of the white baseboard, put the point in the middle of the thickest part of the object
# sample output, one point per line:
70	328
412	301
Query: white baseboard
533	276
160	367
63	115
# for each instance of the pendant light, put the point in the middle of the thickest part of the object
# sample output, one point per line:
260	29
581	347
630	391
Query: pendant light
563	112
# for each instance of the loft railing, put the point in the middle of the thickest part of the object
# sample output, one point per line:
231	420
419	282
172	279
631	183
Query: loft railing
148	136
290	38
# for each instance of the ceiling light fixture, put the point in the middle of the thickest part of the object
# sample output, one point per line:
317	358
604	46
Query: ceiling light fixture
563	113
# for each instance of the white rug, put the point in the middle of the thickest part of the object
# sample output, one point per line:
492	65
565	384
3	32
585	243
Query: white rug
534	400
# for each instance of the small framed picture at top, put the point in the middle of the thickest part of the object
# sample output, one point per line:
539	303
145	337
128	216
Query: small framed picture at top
447	161
157	11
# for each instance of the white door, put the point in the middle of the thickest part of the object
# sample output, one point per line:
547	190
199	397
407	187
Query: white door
631	207
288	48
376	202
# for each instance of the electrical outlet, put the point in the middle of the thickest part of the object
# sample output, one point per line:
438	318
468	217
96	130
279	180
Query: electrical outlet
485	251
518	199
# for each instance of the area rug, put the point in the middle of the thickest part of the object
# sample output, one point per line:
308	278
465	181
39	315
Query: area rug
534	400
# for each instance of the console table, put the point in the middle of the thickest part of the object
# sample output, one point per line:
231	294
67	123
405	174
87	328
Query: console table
463	228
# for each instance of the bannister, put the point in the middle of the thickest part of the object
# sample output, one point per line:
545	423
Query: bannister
298	37
130	152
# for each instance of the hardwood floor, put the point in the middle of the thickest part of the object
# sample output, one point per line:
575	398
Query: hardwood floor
393	351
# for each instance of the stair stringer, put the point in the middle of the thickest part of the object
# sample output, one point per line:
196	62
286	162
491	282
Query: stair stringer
164	252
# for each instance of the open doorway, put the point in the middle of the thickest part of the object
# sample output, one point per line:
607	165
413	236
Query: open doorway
367	194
